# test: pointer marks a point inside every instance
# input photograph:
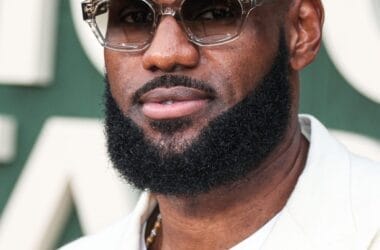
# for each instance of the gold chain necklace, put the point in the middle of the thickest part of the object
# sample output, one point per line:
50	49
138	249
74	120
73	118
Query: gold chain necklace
153	233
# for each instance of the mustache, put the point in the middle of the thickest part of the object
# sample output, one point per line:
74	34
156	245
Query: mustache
169	81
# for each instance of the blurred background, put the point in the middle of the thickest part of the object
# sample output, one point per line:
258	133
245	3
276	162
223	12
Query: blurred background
56	182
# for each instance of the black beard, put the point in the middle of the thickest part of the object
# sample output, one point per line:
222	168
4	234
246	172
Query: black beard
231	146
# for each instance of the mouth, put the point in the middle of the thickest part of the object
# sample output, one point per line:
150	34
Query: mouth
173	103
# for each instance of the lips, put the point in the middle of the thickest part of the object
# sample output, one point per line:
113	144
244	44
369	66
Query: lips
172	103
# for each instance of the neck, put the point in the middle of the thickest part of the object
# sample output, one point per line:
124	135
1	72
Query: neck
218	219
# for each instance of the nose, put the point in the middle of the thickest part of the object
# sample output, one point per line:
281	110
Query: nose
170	48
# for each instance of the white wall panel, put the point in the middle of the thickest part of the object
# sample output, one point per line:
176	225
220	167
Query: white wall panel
27	41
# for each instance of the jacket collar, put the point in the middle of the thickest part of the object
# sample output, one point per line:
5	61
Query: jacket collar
318	214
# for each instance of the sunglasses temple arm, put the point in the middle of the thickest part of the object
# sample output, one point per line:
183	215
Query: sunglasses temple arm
88	9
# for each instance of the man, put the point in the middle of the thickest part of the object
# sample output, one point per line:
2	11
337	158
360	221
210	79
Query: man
202	114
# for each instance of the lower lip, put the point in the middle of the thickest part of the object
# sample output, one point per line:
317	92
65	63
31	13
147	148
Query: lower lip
158	111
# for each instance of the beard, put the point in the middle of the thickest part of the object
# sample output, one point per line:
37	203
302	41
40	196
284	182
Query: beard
225	152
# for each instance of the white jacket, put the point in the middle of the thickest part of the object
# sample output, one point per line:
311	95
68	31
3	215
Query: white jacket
334	206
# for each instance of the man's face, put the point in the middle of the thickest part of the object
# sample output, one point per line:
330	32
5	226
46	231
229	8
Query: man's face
182	119
231	71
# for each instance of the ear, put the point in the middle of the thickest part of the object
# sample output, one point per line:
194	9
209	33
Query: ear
305	31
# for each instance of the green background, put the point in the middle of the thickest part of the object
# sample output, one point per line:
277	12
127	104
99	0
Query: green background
77	91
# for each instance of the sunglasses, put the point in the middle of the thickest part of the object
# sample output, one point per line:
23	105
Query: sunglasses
130	25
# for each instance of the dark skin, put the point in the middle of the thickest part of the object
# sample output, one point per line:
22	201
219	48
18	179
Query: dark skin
205	221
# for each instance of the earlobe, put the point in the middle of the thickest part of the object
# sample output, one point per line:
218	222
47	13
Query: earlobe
306	32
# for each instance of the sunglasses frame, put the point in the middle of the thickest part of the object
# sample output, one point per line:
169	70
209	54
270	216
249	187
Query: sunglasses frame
92	8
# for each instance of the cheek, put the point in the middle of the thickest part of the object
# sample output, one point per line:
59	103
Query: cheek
238	68
123	77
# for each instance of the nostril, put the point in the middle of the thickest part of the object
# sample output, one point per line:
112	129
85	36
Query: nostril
166	67
154	68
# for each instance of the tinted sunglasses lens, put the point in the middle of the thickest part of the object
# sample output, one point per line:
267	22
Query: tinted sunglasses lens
211	21
127	25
